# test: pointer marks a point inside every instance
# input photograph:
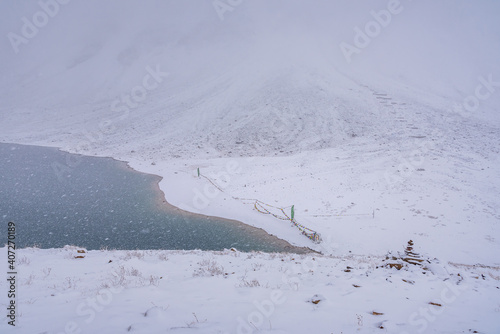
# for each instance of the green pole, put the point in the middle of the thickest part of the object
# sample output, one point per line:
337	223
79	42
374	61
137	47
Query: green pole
293	211
198	171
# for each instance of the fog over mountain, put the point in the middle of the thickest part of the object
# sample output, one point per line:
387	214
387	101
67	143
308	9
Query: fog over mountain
234	71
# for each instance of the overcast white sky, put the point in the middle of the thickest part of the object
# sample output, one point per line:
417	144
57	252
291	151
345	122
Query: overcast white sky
441	45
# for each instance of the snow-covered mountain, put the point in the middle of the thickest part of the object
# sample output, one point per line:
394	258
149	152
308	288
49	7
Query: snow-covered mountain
167	85
378	120
237	79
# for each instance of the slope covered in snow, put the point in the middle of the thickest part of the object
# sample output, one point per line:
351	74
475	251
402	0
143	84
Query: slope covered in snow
171	87
230	81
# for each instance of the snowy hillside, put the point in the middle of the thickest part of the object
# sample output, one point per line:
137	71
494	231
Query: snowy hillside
230	81
379	121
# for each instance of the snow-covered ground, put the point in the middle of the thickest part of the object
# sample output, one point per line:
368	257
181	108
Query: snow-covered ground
398	140
233	292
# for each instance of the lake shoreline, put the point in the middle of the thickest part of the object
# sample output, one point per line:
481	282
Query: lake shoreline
161	203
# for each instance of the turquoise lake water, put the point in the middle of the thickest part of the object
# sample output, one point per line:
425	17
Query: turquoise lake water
57	199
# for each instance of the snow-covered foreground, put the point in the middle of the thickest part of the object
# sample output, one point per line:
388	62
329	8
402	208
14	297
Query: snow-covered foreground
234	292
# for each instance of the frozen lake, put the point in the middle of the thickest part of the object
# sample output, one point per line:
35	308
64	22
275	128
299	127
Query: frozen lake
57	199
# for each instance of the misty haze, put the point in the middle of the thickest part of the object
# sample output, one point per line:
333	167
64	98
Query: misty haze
250	166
